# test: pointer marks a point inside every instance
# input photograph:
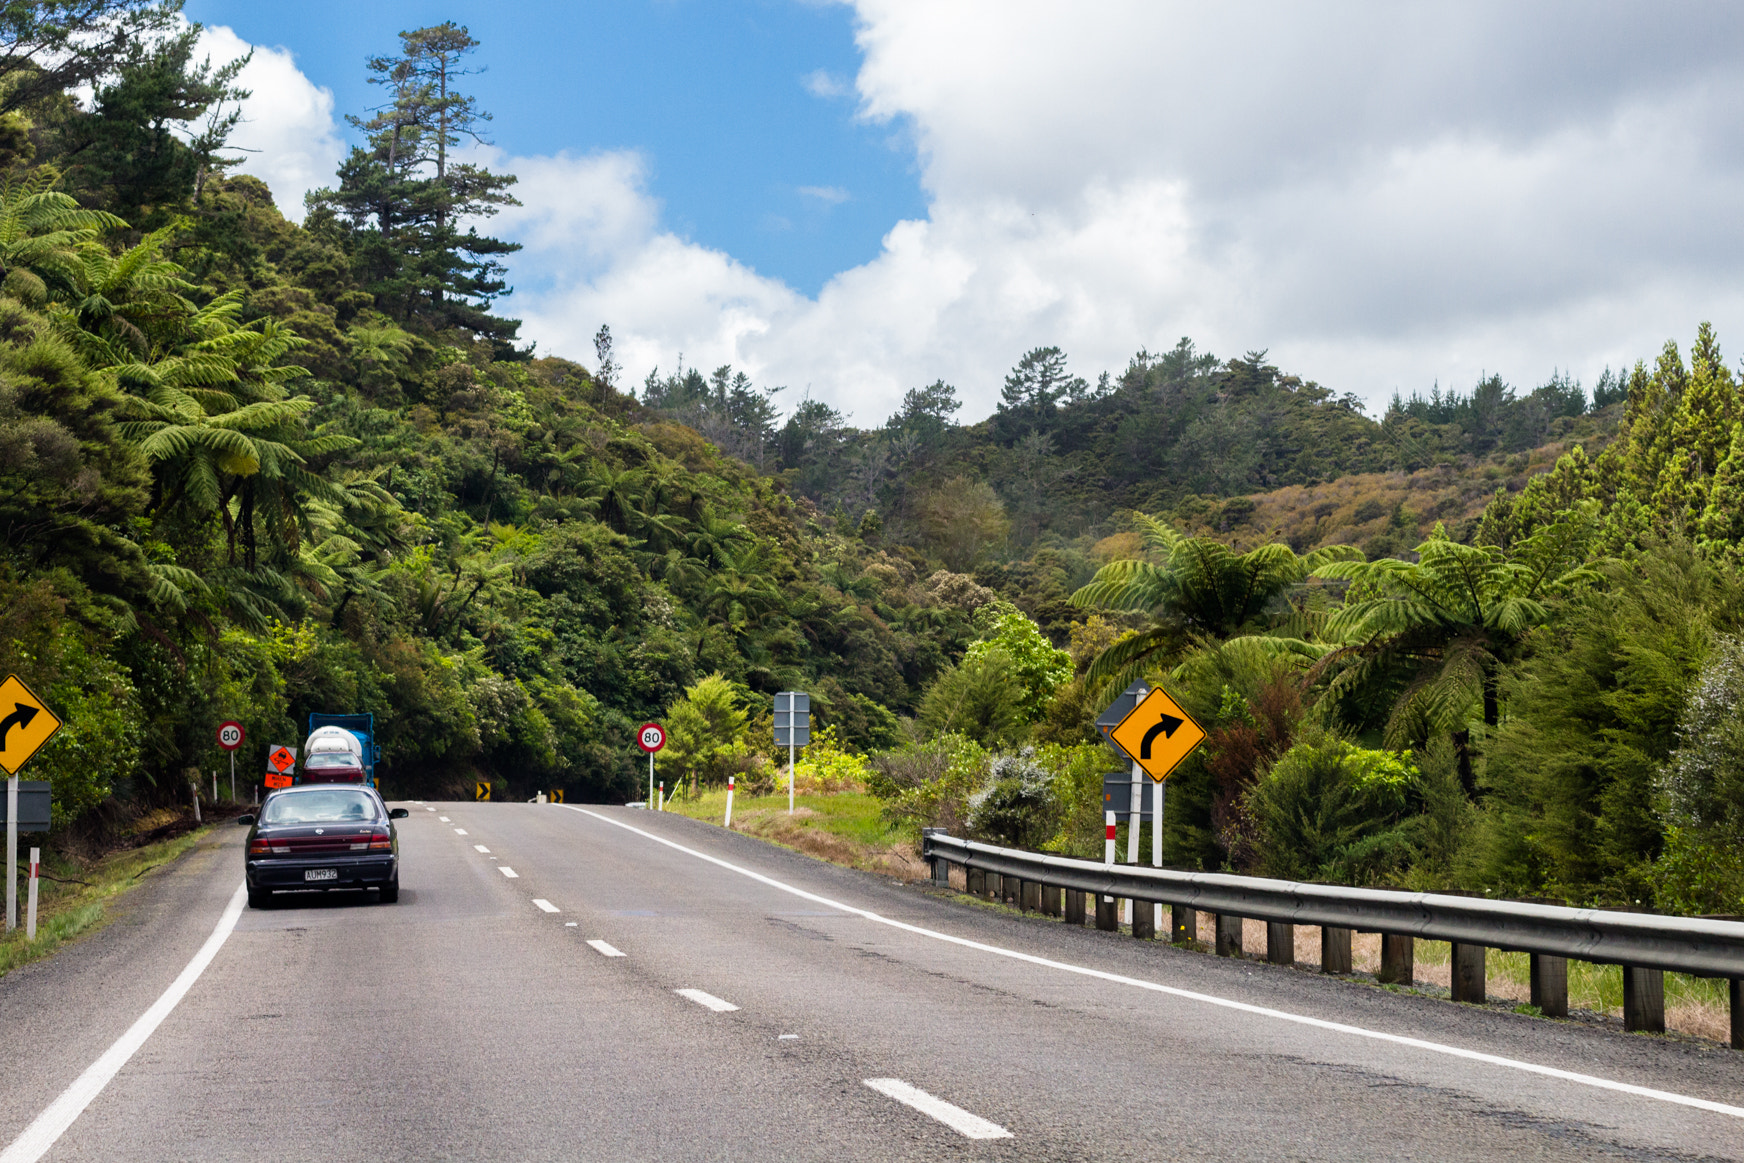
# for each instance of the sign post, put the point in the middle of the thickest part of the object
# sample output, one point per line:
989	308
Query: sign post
230	737
792	729
651	737
24	728
1157	735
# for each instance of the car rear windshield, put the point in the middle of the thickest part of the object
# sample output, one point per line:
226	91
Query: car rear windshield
331	759
320	807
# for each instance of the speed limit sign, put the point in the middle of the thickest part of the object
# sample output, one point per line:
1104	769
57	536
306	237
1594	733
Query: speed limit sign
230	735
651	737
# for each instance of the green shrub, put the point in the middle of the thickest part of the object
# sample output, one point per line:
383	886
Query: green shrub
1016	807
1330	810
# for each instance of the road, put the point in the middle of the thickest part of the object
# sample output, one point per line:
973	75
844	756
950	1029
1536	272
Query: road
470	1022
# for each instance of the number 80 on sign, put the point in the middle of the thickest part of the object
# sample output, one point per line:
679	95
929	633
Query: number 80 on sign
651	737
230	735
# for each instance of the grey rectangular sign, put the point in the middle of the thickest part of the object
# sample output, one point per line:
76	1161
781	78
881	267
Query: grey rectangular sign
1119	709
1117	793
792	719
32	805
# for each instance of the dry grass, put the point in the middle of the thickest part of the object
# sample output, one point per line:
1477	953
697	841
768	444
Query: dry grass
845	828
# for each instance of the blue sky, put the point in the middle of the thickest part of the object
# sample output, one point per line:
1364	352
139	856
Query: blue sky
713	95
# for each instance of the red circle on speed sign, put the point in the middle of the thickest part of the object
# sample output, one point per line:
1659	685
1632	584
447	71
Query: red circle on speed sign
651	737
230	734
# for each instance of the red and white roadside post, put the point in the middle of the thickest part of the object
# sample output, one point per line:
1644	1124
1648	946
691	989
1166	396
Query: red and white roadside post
30	912
651	737
729	822
1109	825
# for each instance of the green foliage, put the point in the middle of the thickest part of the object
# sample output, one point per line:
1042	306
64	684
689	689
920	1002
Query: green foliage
1037	665
706	731
1017	806
1330	810
981	698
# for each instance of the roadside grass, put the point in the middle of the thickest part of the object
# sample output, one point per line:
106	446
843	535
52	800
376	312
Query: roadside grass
844	828
65	911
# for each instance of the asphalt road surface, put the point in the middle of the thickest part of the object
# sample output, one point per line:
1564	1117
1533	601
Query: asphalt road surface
687	993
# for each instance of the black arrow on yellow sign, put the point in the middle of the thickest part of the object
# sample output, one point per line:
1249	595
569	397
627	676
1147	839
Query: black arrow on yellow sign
21	716
1165	727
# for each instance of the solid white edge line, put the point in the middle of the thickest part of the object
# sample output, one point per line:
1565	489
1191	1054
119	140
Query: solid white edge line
1190	995
546	906
508	872
955	1117
605	950
707	1000
51	1124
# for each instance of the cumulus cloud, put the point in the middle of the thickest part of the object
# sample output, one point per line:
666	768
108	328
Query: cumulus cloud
822	83
287	138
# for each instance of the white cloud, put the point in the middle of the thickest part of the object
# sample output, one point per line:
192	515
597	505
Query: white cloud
822	83
832	195
288	132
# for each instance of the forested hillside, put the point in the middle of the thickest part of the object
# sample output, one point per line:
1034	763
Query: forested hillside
253	469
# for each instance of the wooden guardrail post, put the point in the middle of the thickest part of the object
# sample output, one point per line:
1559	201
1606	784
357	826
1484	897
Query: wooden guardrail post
1643	1000
1183	923
1280	943
1144	920
1334	949
1398	960
1228	935
974	881
1467	975
1549	976
1074	907
1735	990
1050	901
1107	913
1032	896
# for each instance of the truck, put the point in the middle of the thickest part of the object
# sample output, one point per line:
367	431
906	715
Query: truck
340	748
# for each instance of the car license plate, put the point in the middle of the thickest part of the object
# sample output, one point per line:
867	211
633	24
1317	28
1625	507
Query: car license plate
320	874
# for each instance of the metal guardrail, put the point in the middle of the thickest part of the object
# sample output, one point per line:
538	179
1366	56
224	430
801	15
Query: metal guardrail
1692	945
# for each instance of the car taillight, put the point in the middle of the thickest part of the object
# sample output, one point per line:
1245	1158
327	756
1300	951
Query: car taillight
380	842
257	848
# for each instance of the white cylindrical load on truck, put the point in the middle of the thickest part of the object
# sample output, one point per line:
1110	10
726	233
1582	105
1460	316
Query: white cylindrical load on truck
333	739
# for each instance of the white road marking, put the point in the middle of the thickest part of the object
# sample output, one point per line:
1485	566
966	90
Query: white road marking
444	819
481	848
708	1000
508	872
52	1123
569	924
605	949
546	906
1191	995
955	1117
429	809
460	831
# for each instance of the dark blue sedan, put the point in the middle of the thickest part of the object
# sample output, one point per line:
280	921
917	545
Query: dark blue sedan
323	836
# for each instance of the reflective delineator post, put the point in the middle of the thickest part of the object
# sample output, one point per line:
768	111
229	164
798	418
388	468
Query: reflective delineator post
30	914
662	795
729	821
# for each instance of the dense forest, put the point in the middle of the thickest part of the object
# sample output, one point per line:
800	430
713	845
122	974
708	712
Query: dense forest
252	469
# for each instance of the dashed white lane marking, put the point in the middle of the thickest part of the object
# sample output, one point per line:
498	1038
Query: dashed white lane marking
955	1117
604	949
52	1123
481	848
546	906
1460	1052
429	809
508	872
444	819
707	1000
569	924
460	831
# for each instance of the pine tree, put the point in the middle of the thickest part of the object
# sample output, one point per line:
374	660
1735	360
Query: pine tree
1700	434
1723	519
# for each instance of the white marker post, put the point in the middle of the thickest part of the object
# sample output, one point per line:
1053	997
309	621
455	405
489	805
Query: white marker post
729	822
1108	844
30	915
11	852
663	795
1134	825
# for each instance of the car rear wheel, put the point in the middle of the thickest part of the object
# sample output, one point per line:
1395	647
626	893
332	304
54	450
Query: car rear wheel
390	892
259	898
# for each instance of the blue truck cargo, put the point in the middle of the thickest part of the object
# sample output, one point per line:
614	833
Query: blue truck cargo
363	726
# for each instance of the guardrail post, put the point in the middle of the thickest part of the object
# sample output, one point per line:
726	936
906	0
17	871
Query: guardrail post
1010	890
1032	896
1228	935
1334	949
1398	960
1280	943
1050	901
1467	976
974	881
1144	920
1074	907
1643	1000
1549	984
1183	923
1107	913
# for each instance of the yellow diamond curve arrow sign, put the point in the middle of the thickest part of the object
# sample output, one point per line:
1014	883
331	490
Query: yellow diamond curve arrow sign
26	724
1158	734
